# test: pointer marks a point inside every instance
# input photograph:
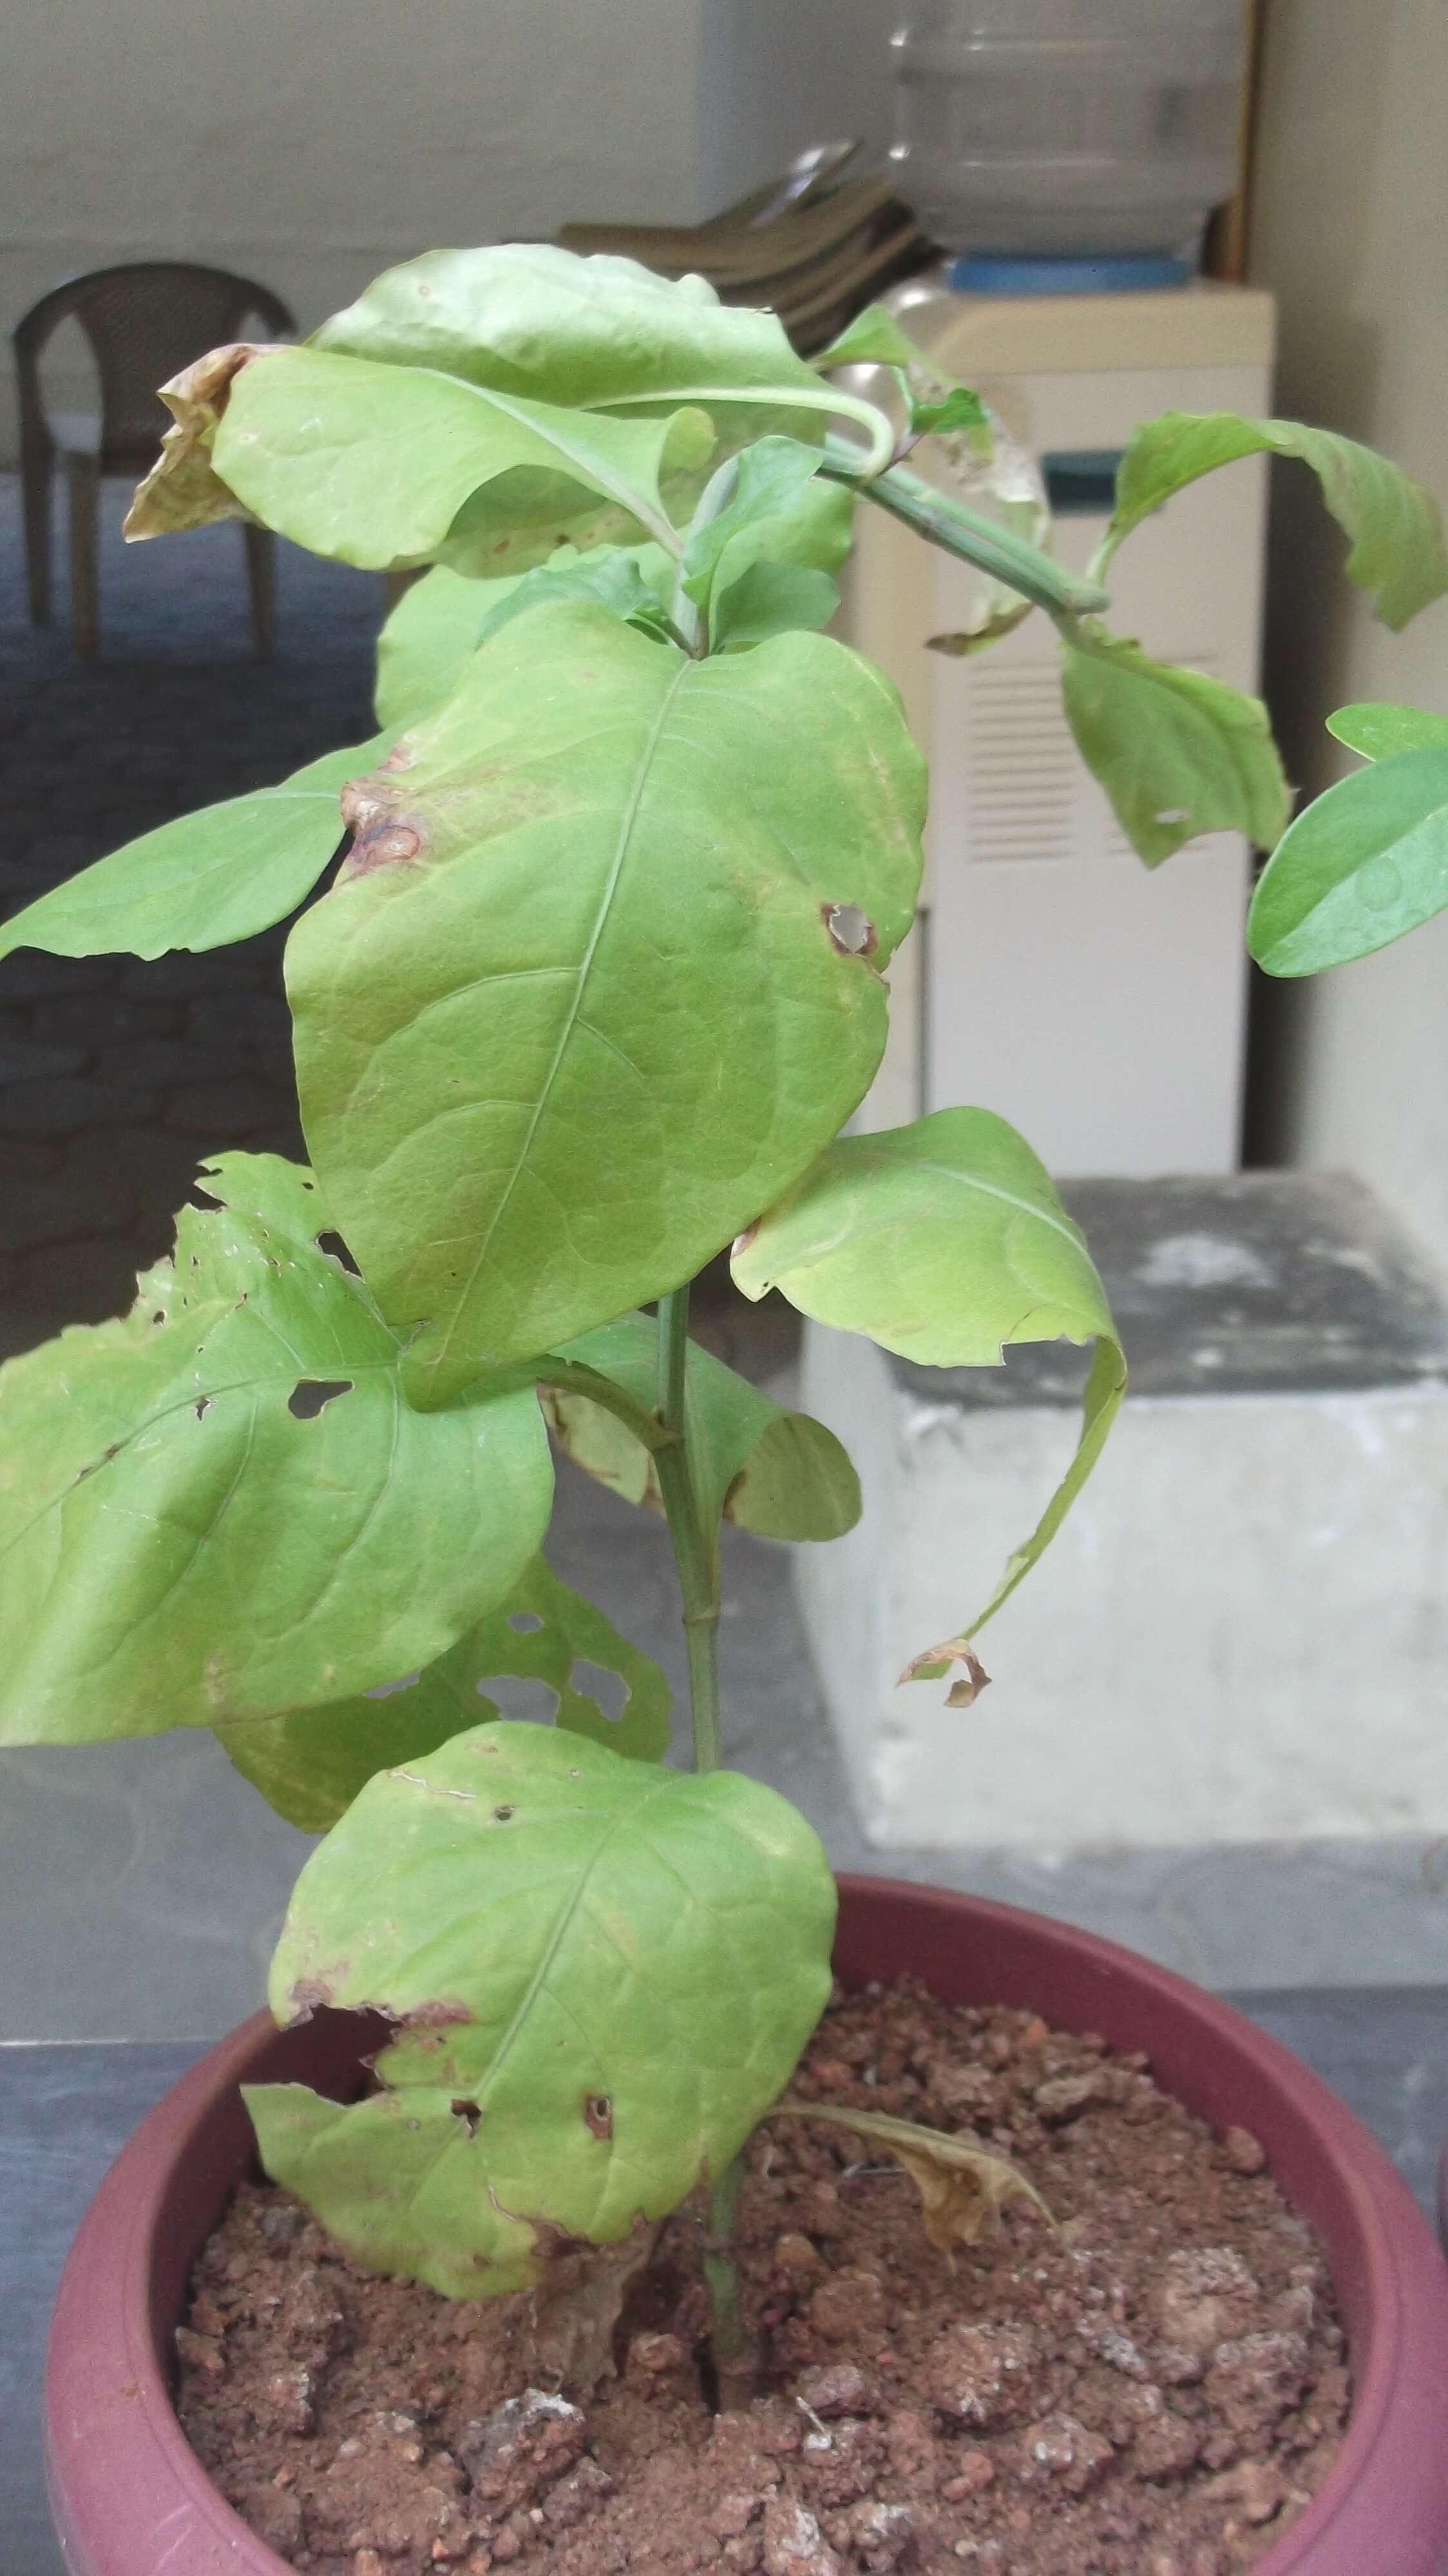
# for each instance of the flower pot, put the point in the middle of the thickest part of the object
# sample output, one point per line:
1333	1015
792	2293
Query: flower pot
130	2498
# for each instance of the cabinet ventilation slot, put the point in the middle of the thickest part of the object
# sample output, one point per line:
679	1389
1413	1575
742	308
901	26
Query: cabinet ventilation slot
1028	794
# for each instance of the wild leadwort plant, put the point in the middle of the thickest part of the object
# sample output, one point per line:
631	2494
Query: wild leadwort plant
596	987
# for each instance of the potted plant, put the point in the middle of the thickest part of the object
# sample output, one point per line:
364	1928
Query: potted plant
593	993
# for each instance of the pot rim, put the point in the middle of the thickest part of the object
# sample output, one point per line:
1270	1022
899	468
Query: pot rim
111	2430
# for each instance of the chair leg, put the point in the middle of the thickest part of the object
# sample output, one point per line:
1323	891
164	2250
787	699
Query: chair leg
35	478
261	576
83	487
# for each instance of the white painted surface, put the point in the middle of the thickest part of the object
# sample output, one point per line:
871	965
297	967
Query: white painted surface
1351	236
1238	1634
310	143
780	74
1097	1005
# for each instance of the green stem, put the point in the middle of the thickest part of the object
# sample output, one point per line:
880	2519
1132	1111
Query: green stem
696	1554
736	2357
696	1551
944	521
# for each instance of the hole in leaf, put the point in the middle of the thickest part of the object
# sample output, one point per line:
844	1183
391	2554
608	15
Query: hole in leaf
524	1622
520	1695
331	1243
384	1690
203	1408
598	2113
852	931
310	1394
469	2114
160	1315
607	1689
504	1815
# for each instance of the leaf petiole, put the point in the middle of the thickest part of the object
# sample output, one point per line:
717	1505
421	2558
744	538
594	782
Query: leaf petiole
694	1554
944	521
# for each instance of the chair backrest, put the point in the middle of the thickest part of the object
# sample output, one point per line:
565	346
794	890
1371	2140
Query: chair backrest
144	322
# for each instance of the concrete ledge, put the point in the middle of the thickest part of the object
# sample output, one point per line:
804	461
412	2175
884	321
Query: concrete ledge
1241	1632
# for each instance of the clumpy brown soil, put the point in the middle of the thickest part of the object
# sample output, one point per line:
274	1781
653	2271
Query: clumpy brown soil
1154	2390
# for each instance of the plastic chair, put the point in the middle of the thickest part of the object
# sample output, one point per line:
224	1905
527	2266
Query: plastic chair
143	322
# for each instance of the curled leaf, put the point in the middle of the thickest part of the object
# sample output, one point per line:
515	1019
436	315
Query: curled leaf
1393	526
962	2188
944	1241
183	489
1177	752
934	1663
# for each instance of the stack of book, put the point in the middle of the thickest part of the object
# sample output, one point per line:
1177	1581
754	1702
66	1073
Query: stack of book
814	252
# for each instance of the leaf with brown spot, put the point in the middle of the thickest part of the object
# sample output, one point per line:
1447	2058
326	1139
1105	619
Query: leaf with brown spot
549	1068
642	1953
962	2188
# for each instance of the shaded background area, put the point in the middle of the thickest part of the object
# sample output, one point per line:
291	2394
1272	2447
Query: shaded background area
117	1076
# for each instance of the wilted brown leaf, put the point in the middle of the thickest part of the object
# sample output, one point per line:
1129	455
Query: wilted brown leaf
934	1663
182	489
962	2189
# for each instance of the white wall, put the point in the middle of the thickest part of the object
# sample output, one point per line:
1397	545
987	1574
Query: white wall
1352	233
780	74
312	142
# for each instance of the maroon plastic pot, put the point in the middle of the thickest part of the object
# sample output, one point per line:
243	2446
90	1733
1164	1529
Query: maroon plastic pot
130	2499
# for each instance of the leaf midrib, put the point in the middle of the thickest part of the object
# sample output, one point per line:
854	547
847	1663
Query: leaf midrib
628	820
255	1386
909	1166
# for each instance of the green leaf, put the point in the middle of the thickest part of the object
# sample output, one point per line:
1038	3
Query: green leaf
603	1972
429	638
179	1546
310	1763
385	466
752	1461
1176	752
1379	731
439	622
773	599
206	879
944	1241
873	338
612	1004
762	566
1393	525
935	404
1365	862
529	319
766	482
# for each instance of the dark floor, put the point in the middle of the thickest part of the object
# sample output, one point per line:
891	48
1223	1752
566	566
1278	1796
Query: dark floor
141	1884
117	1076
